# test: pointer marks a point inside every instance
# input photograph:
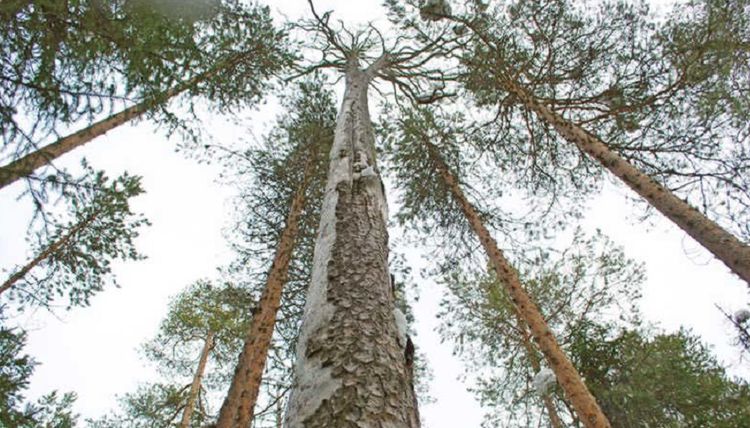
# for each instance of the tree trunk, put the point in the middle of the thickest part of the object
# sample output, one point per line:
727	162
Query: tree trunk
27	164
351	360
726	247
195	387
47	252
238	406
734	253
554	418
567	375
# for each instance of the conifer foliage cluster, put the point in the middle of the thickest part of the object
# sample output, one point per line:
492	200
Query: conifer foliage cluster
498	122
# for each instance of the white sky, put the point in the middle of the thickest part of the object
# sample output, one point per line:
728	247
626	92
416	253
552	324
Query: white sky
92	351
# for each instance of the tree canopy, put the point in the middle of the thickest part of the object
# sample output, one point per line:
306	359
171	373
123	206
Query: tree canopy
498	123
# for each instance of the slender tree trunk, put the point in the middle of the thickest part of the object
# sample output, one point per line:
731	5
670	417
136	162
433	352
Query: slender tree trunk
47	252
27	164
567	375
237	410
195	387
734	253
352	368
554	418
726	247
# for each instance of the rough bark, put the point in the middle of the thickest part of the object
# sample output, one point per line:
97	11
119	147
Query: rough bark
567	376
238	406
352	368
195	386
726	247
26	165
47	252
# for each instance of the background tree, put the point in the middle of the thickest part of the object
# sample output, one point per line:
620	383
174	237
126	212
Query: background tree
417	139
286	173
51	410
555	76
151	405
194	350
590	280
591	291
73	253
224	53
659	379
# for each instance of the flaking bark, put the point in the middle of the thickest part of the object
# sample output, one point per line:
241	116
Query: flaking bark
238	406
567	376
351	370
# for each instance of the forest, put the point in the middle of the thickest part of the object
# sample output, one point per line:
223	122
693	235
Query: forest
386	214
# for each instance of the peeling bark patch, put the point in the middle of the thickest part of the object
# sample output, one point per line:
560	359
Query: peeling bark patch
359	344
351	371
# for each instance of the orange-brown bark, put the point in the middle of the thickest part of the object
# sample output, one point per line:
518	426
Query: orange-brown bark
237	409
726	247
536	366
567	376
734	253
195	386
27	164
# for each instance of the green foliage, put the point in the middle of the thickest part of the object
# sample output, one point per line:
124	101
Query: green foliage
668	96
202	309
710	41
65	62
589	295
670	380
590	281
50	411
418	140
425	197
268	177
15	370
152	405
73	254
53	411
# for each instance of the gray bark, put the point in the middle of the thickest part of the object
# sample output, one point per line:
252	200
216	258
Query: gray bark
351	369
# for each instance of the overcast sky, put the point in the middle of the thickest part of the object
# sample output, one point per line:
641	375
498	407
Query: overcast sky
92	351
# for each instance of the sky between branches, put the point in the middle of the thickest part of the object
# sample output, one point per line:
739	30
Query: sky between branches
92	350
